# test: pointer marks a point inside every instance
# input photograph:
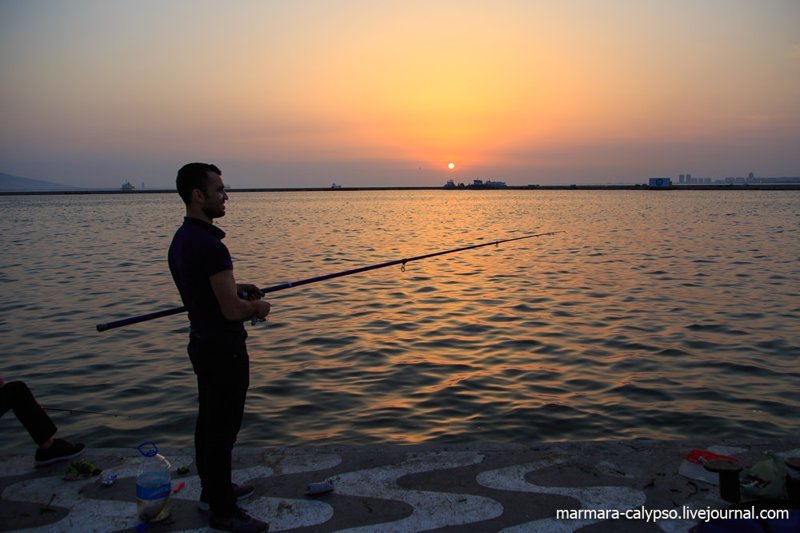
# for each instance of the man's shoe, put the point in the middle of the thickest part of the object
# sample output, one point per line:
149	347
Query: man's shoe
60	450
242	492
239	522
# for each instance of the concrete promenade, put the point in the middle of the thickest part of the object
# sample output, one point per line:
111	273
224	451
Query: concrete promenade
465	487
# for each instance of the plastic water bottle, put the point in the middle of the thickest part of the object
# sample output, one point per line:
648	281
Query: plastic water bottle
153	484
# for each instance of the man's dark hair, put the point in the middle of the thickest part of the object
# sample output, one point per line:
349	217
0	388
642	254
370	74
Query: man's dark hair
193	176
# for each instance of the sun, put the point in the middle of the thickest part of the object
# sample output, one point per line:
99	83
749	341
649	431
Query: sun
451	166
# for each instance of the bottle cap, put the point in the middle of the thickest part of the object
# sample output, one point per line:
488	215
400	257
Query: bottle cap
148	449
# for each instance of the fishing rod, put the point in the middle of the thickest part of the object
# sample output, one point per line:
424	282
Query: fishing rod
71	411
317	279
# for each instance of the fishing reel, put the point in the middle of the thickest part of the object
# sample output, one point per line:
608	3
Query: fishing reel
246	295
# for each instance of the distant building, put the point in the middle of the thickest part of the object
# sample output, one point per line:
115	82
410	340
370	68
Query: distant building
127	187
450	185
660	182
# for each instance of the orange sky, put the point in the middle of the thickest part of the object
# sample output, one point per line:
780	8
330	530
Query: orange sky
387	93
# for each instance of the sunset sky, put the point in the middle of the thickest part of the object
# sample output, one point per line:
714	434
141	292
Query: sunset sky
306	93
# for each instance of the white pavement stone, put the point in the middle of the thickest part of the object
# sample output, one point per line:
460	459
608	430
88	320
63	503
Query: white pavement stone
512	478
430	509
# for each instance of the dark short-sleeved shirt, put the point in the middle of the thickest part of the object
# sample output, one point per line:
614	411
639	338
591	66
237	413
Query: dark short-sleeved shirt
196	254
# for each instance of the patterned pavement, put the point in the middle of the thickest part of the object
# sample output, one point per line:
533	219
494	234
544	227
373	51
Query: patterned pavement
473	487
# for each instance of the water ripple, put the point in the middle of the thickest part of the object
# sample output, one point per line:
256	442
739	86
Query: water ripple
625	326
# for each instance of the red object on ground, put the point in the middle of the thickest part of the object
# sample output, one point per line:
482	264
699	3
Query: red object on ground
703	456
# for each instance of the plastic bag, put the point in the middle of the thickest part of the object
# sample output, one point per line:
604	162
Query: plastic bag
766	479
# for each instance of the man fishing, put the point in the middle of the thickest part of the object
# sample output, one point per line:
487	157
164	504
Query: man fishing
202	269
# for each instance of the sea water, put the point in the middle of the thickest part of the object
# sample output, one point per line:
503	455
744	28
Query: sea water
662	314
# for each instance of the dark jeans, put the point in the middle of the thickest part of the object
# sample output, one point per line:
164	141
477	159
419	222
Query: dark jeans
223	375
17	396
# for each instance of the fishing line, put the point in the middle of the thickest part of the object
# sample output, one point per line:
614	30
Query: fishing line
317	279
82	412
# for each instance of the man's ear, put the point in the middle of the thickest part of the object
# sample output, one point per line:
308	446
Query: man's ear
198	196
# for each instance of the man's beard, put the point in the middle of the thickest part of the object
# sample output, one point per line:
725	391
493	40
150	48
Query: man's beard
213	211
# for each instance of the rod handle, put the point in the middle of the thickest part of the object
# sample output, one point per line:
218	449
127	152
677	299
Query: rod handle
141	318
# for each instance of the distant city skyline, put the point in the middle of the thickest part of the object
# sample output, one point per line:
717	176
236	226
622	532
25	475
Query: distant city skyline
308	93
18	184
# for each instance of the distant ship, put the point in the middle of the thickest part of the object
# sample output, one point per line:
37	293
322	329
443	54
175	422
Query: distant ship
488	184
127	187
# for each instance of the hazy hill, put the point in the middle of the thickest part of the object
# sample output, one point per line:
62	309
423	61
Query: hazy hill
9	183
